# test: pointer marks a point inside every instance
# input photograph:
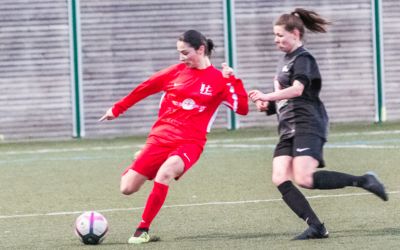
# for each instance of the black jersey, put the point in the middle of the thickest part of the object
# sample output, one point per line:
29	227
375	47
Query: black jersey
305	114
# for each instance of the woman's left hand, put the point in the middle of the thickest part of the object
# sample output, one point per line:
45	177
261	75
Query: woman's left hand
261	106
226	70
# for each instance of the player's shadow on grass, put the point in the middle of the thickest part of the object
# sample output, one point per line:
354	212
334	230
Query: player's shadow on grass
222	236
123	243
288	235
365	232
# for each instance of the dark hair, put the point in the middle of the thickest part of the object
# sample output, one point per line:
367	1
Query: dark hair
195	39
300	18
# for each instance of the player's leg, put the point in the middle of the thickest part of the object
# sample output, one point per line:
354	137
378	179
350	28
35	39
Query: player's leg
137	173
282	176
295	199
144	167
179	161
311	145
307	157
304	168
335	180
171	168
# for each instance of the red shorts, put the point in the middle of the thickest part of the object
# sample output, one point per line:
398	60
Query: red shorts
152	156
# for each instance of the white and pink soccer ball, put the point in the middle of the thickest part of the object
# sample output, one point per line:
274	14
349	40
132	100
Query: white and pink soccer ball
91	227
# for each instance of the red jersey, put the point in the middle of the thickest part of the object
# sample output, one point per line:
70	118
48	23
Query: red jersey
191	98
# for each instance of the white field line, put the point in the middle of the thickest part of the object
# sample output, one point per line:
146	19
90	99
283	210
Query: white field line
214	203
212	143
275	138
362	146
386	132
239	147
63	150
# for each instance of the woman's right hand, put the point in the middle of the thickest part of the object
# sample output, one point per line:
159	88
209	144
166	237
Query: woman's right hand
108	115
256	95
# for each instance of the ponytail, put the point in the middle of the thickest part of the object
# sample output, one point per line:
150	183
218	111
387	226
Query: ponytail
209	47
300	19
312	21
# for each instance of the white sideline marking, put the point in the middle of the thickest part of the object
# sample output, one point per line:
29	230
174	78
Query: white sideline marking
363	146
184	205
208	145
386	132
62	150
390	132
211	143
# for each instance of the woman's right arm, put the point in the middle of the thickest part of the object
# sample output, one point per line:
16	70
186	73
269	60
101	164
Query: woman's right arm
293	91
151	86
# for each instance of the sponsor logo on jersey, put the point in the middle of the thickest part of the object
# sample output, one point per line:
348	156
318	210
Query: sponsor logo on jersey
205	89
285	68
189	104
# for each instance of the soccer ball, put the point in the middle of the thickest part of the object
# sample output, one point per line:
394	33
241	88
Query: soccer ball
91	227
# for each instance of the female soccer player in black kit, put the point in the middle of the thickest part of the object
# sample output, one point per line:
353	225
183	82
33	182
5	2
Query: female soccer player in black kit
303	123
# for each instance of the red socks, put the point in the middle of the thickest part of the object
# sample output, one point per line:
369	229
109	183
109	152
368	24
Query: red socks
153	205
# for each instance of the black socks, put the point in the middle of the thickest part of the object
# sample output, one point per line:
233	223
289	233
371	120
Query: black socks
298	203
335	180
321	180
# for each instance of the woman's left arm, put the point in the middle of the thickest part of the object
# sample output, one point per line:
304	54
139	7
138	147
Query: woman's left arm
236	97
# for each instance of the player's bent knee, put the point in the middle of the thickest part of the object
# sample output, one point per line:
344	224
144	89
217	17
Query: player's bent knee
131	182
279	179
303	181
165	177
128	190
127	187
125	191
276	181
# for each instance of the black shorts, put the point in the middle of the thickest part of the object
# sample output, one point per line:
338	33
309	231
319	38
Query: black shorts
299	145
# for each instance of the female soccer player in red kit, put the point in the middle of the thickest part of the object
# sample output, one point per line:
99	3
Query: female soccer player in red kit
193	90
